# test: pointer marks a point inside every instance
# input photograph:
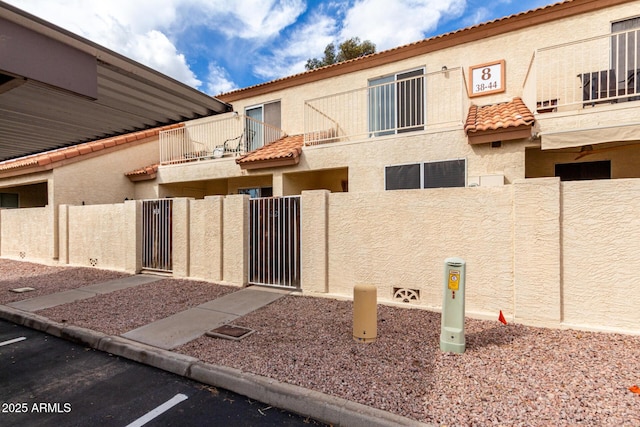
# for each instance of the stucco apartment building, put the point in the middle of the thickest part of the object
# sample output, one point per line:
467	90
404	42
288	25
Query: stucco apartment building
512	144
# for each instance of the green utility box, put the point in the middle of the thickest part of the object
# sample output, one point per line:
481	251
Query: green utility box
452	330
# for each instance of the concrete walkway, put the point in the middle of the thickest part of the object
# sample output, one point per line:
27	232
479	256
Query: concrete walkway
52	300
173	331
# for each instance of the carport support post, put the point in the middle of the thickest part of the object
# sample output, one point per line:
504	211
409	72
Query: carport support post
313	241
235	239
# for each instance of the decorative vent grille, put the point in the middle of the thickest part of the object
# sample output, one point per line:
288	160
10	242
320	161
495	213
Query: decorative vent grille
93	262
23	255
406	295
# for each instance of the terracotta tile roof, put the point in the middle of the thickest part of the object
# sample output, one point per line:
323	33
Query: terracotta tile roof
506	121
498	116
142	174
49	159
283	152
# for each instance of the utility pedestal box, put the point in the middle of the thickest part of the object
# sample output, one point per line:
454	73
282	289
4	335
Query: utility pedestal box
365	313
452	330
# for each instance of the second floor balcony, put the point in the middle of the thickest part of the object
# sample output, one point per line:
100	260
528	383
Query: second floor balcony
229	135
396	104
588	73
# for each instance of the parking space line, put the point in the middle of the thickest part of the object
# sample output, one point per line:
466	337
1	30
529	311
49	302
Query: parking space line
159	410
13	341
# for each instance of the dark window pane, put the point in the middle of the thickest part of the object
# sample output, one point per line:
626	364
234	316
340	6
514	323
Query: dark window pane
584	171
450	173
402	177
8	200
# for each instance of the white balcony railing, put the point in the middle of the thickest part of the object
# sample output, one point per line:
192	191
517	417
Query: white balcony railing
585	73
231	135
428	101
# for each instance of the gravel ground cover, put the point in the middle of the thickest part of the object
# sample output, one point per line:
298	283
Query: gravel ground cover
46	279
121	311
510	375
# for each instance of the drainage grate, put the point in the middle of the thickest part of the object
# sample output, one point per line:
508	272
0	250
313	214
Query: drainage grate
230	332
406	295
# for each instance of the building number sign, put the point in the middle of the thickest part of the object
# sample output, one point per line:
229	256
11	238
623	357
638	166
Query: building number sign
487	78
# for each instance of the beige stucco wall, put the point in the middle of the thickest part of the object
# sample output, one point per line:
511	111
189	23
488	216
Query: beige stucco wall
600	263
400	239
536	250
235	239
101	179
544	252
27	234
205	227
98	236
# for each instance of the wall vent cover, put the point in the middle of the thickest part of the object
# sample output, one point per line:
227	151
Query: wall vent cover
406	295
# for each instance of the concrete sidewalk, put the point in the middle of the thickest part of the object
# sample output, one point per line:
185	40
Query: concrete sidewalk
150	345
173	331
47	301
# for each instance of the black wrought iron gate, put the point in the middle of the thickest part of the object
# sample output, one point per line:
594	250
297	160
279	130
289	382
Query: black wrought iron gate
157	233
274	241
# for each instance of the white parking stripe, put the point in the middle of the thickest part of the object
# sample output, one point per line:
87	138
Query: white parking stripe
15	340
159	410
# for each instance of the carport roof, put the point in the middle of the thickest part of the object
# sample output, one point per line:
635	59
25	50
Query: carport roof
58	89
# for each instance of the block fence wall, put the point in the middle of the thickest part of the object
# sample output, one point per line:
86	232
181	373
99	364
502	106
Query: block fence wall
544	252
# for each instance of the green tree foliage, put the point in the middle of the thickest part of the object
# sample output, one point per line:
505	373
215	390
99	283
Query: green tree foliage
348	49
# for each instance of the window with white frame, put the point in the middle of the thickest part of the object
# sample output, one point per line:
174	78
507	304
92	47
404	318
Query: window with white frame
261	122
448	173
396	103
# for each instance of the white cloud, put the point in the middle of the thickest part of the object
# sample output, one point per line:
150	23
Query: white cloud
218	81
155	50
306	42
390	24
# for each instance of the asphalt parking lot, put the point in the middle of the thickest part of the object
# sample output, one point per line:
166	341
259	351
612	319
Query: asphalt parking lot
46	381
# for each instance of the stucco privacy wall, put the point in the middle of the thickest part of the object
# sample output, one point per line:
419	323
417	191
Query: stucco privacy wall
600	245
102	236
400	239
27	234
544	252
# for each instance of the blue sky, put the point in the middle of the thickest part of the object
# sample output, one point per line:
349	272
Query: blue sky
221	45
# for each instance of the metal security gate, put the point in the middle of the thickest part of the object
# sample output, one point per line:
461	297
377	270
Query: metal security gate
157	231
274	241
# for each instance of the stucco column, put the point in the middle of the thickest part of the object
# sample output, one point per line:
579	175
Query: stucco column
205	243
537	278
133	236
63	234
180	233
235	239
313	241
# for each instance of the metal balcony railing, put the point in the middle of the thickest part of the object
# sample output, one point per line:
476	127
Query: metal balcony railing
585	73
231	135
425	102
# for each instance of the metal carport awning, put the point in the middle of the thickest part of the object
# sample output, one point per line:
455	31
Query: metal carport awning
58	89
